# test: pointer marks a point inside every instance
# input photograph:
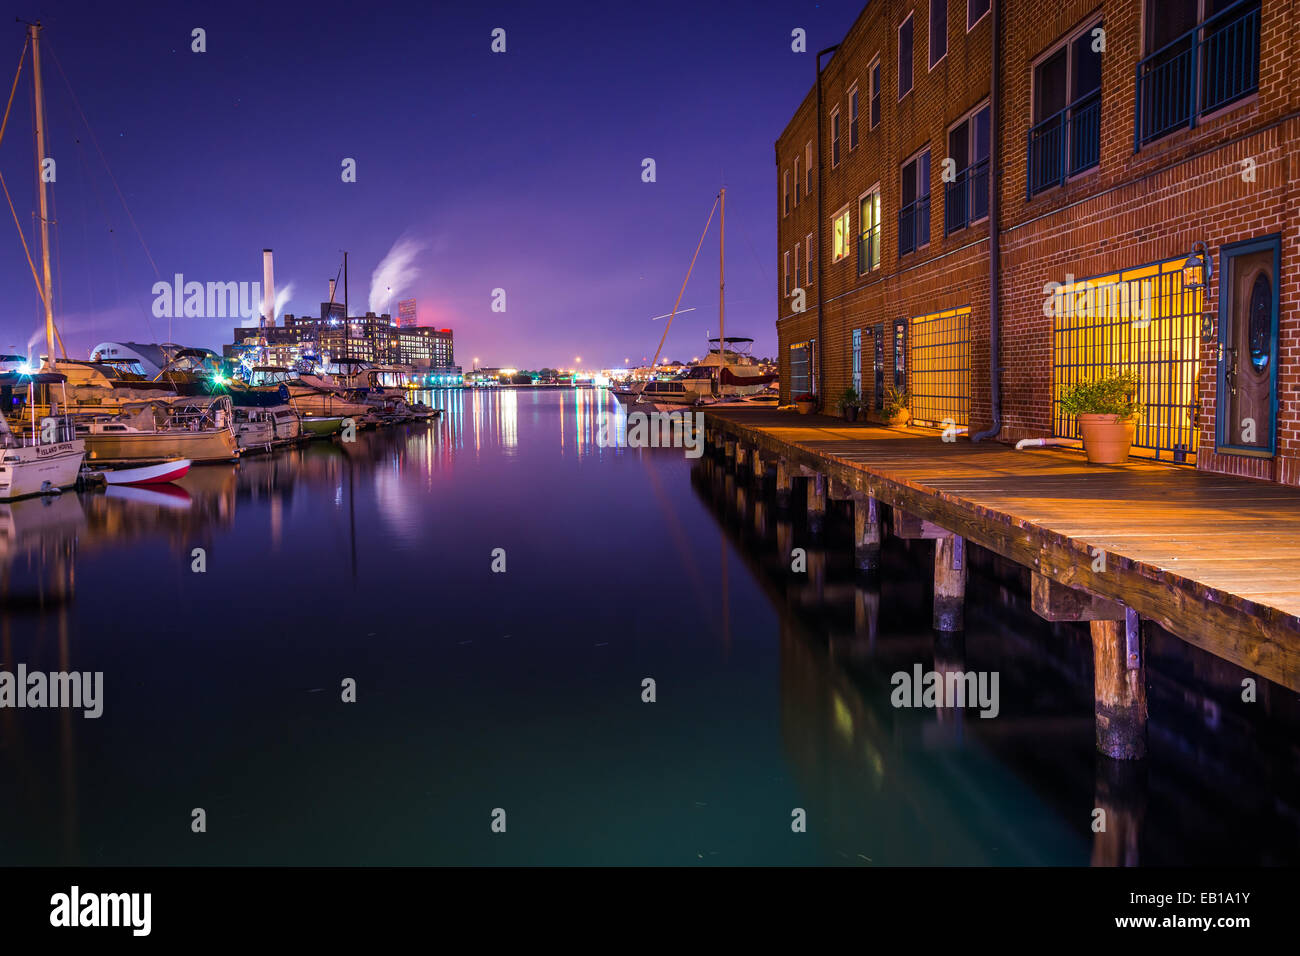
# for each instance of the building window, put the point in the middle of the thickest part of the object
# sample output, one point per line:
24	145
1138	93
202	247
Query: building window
1065	138
785	193
785	271
966	198
803	380
1202	55
840	230
905	57
900	355
808	167
857	361
975	10
796	180
869	236
835	137
938	31
914	216
874	72
941	367
1137	320
853	118
797	258
808	247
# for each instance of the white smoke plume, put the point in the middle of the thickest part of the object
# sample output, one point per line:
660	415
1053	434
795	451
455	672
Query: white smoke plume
395	272
282	296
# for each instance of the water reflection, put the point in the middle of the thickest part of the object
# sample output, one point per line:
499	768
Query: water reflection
947	786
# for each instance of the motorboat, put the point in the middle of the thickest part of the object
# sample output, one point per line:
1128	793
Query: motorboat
313	395
254	429
49	458
199	428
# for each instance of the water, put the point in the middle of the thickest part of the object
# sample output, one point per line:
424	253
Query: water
522	690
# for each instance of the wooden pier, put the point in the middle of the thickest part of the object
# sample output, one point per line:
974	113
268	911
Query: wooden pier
1214	560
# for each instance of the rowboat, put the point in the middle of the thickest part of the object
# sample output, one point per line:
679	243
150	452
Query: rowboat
149	474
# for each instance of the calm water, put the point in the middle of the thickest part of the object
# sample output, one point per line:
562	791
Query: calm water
522	690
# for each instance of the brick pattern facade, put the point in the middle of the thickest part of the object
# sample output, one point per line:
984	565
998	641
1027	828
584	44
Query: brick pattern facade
1132	208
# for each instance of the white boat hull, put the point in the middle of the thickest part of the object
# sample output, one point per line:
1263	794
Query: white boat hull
36	469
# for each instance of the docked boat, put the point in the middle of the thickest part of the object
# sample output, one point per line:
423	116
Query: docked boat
320	426
161	473
34	465
254	429
727	373
199	428
313	395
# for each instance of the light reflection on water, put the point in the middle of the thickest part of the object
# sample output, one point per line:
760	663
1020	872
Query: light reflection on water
372	561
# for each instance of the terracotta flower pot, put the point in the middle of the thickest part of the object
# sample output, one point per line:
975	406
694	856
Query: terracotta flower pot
1107	438
900	418
806	408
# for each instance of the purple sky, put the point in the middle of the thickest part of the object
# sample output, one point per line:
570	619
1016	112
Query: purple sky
519	170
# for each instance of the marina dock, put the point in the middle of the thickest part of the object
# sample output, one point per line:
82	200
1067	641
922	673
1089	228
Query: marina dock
1214	560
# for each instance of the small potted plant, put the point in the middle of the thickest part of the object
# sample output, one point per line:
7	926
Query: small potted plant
1107	409
895	408
805	402
849	404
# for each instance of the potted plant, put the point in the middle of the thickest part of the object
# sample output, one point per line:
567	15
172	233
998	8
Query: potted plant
849	404
895	408
1107	409
805	402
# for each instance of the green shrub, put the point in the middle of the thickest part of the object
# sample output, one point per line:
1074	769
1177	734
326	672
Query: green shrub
1113	394
896	401
849	399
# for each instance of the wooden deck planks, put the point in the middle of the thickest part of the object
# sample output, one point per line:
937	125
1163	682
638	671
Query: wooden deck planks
1214	559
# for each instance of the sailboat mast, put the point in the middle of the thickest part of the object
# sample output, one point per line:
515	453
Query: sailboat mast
722	285
34	33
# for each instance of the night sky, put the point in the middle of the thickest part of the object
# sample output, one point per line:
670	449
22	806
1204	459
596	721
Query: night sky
519	170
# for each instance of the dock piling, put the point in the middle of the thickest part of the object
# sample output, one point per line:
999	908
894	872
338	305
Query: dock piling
1119	689
949	583
783	482
866	534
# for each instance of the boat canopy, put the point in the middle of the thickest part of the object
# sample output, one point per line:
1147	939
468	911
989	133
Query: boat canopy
734	338
39	378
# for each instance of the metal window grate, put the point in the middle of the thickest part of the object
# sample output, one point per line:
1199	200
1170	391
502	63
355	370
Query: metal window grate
941	367
1139	320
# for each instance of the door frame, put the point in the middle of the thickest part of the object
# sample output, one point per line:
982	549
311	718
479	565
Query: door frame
1226	255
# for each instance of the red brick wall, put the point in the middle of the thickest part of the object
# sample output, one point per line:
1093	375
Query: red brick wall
1132	209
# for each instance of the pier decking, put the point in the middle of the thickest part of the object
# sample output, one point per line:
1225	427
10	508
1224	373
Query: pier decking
1214	560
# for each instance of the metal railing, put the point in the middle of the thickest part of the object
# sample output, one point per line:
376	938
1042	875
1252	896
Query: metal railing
966	198
869	250
1205	69
914	225
1065	144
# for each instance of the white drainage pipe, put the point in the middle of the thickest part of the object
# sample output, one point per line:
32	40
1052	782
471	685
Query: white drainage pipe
1045	442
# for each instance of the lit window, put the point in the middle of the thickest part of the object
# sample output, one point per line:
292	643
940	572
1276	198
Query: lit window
840	231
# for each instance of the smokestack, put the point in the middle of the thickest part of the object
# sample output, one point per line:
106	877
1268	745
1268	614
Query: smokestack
268	288
331	298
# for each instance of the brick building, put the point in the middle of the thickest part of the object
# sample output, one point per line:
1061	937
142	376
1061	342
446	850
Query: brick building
370	337
1124	134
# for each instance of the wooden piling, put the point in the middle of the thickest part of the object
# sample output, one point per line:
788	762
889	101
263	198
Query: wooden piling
729	451
866	534
949	583
816	502
783	481
1119	688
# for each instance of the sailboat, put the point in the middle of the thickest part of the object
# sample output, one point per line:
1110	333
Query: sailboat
726	374
51	460
37	466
